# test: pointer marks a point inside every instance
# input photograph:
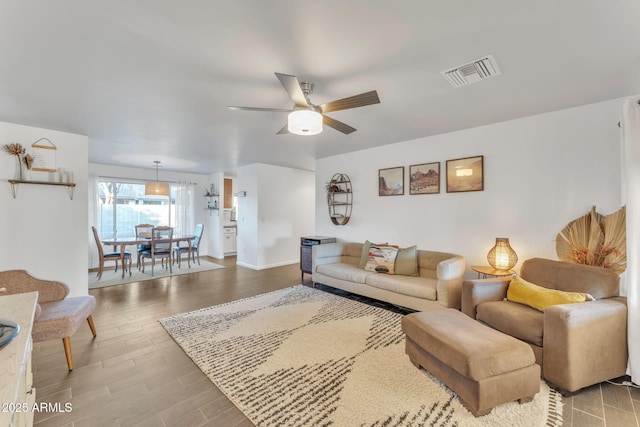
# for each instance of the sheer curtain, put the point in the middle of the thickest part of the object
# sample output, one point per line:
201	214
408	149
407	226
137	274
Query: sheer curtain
184	223
630	154
94	218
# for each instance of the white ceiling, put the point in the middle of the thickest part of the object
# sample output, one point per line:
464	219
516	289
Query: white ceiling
151	80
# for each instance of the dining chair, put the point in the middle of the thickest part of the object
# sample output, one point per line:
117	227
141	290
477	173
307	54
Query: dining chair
195	247
142	231
111	256
161	247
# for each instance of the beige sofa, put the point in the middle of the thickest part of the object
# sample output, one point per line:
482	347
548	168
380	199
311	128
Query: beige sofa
437	286
577	344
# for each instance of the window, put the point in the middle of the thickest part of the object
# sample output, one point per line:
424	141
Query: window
123	205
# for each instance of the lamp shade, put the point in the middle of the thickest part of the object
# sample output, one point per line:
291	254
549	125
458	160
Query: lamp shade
155	188
304	122
502	256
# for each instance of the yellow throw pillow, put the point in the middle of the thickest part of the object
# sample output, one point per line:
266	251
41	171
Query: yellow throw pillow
540	297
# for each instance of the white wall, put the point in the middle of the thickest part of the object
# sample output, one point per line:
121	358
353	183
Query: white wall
277	211
540	173
43	231
247	238
201	181
213	230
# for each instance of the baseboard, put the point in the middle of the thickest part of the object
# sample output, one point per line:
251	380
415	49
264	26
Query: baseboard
264	267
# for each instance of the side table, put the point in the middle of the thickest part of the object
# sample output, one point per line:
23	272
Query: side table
485	271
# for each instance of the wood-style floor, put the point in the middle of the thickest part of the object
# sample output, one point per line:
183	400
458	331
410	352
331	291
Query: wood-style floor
134	374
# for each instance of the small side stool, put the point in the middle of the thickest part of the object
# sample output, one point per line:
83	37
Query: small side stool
483	366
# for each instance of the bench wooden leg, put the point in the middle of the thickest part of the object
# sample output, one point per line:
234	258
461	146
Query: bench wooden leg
414	363
67	351
525	399
91	325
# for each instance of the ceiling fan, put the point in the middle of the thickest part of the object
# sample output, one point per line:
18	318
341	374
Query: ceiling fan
306	118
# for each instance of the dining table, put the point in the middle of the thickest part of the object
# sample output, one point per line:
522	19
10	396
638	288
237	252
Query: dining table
123	242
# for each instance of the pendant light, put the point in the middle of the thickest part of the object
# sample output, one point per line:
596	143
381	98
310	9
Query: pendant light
156	188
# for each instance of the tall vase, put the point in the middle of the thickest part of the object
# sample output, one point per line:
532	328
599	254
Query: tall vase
19	175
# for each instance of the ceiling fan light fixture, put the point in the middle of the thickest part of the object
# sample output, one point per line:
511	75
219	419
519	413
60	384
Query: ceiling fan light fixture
304	122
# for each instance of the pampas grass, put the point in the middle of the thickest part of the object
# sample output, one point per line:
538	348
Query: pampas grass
595	239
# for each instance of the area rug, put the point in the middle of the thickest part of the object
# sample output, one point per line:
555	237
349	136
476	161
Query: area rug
304	357
112	277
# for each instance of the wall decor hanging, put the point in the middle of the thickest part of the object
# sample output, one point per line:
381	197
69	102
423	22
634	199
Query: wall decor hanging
595	239
424	178
44	155
391	181
466	174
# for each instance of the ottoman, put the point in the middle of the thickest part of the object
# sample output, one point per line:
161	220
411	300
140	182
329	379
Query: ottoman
483	366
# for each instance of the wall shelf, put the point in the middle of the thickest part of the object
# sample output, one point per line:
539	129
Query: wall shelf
339	199
213	204
16	182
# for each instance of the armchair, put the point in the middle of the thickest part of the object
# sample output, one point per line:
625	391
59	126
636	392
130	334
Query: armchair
57	316
577	344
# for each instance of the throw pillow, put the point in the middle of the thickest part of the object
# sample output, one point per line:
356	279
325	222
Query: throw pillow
364	256
540	297
382	258
407	261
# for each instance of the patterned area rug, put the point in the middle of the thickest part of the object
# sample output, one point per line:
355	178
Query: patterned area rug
112	277
304	357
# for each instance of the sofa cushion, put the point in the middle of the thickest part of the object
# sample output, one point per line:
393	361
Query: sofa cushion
344	271
596	281
407	261
351	252
518	320
411	286
382	259
428	262
539	297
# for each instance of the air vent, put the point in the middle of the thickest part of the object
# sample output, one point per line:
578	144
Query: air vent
472	72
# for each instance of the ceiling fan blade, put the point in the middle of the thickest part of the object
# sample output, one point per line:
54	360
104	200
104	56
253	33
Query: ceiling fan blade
277	110
337	125
285	129
355	101
292	86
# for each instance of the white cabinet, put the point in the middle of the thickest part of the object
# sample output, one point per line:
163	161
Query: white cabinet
229	245
17	394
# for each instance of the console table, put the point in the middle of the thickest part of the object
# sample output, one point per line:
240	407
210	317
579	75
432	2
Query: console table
16	388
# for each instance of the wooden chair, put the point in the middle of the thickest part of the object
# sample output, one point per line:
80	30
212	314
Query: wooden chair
57	316
195	247
161	247
143	230
112	256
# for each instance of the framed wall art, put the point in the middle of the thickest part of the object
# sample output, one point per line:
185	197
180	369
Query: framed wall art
465	174
424	178
391	181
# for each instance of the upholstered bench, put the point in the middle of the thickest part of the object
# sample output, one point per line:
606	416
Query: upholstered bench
483	366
